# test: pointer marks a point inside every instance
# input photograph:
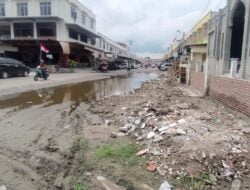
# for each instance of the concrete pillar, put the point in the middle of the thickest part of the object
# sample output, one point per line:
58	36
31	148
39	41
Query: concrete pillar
245	44
12	34
34	30
226	46
233	68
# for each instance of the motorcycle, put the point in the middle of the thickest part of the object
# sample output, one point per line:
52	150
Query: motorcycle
41	73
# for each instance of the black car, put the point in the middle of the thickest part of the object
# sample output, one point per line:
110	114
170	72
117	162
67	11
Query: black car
12	67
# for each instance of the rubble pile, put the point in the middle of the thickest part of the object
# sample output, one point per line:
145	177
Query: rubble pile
180	135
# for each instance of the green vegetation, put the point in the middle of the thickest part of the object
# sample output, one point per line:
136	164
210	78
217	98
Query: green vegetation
72	64
192	183
79	186
122	154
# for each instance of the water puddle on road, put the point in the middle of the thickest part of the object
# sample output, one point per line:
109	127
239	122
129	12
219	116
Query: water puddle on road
80	92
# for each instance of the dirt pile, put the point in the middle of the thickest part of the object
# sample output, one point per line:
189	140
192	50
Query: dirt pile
194	142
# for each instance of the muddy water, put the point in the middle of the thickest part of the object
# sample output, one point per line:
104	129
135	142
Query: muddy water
77	93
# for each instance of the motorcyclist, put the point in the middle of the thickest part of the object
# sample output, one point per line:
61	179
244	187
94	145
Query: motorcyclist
41	69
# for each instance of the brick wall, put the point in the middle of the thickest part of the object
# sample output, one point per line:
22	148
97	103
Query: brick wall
232	92
197	80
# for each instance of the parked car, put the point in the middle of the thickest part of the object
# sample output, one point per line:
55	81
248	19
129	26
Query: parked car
12	67
165	66
123	65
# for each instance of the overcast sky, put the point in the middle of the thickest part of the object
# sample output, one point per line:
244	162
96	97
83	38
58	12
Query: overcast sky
150	24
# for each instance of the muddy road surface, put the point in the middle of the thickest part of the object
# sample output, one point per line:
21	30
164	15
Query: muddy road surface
38	128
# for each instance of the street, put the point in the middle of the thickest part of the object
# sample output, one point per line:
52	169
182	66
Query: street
23	84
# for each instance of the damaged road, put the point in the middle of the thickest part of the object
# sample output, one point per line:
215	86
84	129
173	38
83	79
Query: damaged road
156	137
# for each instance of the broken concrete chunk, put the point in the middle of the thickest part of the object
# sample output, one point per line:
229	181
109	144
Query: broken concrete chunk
132	129
137	122
165	186
143	125
124	129
152	166
236	184
115	135
182	121
158	138
3	187
150	135
184	106
108	122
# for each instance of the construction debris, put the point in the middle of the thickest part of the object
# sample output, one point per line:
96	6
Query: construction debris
182	135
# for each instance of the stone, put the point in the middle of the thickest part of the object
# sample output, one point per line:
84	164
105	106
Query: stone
3	187
113	135
142	152
184	106
152	166
182	121
167	127
162	172
132	129
124	129
144	187
108	185
236	184
165	186
143	125
158	138
204	155
150	135
140	138
137	122
108	122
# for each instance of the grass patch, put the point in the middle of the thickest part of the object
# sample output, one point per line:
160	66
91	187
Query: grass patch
79	186
79	151
192	183
122	154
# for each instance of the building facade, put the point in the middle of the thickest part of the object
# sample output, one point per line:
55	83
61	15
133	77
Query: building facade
229	38
66	27
111	49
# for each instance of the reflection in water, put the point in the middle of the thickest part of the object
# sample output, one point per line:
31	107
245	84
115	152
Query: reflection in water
77	93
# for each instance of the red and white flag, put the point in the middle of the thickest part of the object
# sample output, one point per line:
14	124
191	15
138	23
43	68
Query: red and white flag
44	49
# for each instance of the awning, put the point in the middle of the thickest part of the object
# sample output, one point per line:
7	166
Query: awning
65	47
199	49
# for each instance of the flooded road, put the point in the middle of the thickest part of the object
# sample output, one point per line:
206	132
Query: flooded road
39	127
77	93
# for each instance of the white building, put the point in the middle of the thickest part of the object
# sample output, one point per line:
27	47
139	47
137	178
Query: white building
112	49
66	27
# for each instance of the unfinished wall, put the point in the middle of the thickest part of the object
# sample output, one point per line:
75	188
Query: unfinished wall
197	80
232	92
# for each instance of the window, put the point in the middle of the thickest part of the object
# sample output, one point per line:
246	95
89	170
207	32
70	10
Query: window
23	29
92	23
73	34
45	8
2	9
22	9
46	29
73	13
84	38
84	18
